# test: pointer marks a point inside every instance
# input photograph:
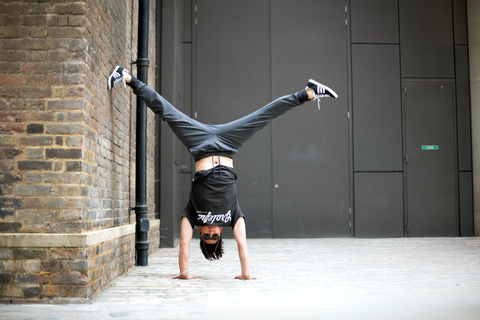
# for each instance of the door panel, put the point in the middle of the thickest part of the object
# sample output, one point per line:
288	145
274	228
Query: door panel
426	38
431	167
250	52
232	80
310	148
466	204
378	204
463	109
377	121
374	21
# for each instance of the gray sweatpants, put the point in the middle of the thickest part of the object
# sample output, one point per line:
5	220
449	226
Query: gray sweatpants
200	138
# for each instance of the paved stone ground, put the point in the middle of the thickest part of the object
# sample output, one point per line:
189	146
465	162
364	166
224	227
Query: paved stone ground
404	278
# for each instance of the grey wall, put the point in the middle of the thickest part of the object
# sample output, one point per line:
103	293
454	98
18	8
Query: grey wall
387	41
393	41
474	54
175	162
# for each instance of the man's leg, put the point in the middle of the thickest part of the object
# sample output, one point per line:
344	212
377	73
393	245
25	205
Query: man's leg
229	136
240	131
189	131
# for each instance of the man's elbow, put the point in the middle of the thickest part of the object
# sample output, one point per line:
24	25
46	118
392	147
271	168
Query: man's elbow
184	244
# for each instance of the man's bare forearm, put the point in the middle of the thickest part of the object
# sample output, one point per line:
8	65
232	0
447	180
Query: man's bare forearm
186	233
240	234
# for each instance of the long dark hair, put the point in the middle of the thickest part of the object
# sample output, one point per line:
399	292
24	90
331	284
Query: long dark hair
212	251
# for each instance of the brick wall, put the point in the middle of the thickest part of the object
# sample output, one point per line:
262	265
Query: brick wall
67	143
63	275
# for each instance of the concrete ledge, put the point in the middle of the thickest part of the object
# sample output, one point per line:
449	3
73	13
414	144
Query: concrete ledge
67	240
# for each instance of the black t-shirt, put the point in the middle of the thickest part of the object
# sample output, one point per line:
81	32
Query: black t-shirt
213	198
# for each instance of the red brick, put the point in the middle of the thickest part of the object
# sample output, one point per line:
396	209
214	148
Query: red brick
39	44
10	67
54	79
35	141
74	67
30	202
13	291
63	227
76	291
75	92
10	226
52	266
56	55
37	80
12	44
39	8
43	278
25	278
11	20
66	32
7	116
36	56
35	116
12	128
38	32
13	32
37	165
25	254
66	104
74	79
14	8
62	21
6	190
50	291
13	80
35	92
32	292
69	8
5	278
70	254
9	153
38	67
34	104
7	165
64	128
31	266
6	214
40	20
77	21
15	55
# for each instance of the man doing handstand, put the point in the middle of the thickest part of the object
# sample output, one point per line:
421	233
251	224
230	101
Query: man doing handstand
213	201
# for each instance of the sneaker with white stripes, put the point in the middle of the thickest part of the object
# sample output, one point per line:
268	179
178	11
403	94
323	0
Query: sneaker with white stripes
321	91
116	77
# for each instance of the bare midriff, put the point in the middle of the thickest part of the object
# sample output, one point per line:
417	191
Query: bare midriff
213	161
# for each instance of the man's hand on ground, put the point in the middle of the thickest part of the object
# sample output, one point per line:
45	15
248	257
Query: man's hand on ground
184	277
245	277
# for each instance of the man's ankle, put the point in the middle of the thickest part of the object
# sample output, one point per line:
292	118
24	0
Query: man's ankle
127	76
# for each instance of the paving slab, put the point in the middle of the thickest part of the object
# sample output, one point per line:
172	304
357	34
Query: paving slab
340	278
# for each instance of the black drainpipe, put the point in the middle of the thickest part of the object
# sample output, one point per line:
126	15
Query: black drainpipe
141	209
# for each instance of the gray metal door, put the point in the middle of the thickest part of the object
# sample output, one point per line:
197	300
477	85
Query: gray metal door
310	147
431	183
232	79
247	53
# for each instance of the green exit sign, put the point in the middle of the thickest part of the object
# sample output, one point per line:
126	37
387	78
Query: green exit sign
429	147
